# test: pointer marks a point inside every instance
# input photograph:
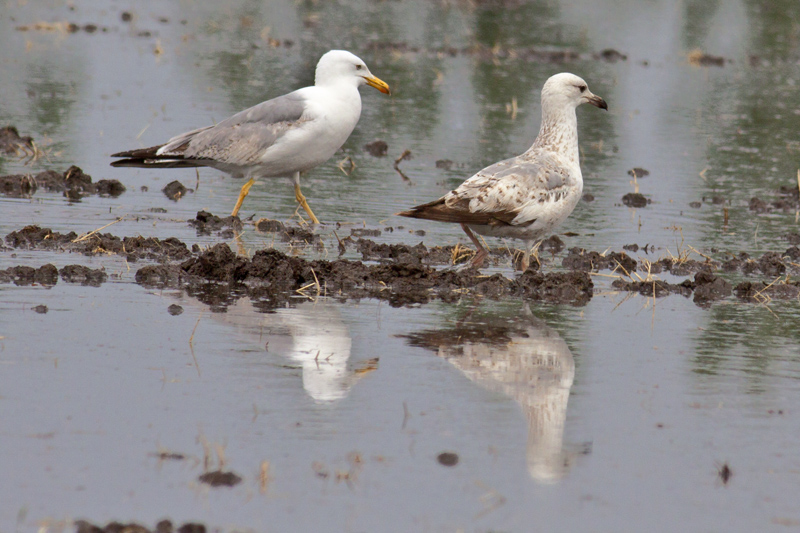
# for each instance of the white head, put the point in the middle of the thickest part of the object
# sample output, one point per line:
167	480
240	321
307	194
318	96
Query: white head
338	66
567	89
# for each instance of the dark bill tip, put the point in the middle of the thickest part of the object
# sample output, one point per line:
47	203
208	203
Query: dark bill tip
598	102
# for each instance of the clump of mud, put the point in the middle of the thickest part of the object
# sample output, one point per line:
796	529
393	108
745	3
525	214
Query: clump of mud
770	264
788	201
634	199
218	478
133	248
267	225
377	148
73	183
11	143
420	254
293	234
46	275
206	223
583	260
760	292
707	288
656	287
679	266
84	275
175	190
638	172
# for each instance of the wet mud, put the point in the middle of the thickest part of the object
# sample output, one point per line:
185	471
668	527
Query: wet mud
218	478
73	183
290	234
638	172
164	526
634	199
175	190
586	261
377	148
206	223
132	248
401	274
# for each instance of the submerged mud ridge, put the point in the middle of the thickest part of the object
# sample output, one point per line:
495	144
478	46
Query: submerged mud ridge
218	276
437	255
47	275
133	248
73	183
164	526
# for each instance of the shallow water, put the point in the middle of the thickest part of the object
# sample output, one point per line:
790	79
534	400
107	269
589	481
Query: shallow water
615	416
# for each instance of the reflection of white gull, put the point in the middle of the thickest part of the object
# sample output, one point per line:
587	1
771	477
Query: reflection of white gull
313	335
321	343
525	360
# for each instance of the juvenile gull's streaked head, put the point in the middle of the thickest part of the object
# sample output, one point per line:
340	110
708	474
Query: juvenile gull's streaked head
339	66
567	89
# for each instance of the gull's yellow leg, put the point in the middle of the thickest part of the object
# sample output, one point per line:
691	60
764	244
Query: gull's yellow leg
242	194
303	203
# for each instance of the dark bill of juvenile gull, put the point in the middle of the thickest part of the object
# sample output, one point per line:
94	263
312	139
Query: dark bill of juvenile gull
524	197
281	137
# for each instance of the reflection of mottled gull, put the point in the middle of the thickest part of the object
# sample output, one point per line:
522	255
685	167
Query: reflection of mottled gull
527	361
281	137
524	197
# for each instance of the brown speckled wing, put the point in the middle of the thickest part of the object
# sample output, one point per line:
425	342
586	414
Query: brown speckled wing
458	212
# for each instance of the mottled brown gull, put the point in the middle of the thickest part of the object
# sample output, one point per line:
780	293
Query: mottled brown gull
524	197
281	137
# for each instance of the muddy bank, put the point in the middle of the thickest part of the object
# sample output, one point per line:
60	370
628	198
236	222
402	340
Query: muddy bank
399	273
47	275
706	288
206	223
420	254
73	183
218	276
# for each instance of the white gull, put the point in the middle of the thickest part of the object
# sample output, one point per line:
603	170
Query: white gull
281	137
524	197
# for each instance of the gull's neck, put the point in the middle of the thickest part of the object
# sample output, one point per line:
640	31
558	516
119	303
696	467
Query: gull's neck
342	88
558	133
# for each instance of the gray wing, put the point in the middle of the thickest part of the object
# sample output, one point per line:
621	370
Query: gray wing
242	138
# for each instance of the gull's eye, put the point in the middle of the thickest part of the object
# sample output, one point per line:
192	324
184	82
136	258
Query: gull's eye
582	88
359	67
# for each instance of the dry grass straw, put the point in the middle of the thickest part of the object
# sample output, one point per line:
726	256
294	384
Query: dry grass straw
263	477
85	236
